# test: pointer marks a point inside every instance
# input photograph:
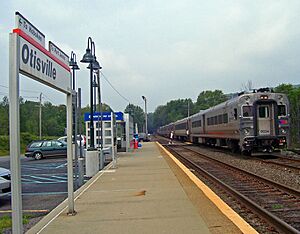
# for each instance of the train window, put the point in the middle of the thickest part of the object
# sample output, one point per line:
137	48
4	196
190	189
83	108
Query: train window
235	113
220	119
211	120
247	111
196	124
225	118
281	110
263	112
180	126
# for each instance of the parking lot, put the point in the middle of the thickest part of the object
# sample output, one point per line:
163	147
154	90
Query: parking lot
44	184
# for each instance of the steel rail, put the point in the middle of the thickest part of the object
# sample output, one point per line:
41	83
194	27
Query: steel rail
280	186
294	167
274	220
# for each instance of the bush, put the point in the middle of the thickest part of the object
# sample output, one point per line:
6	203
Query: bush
4	145
25	139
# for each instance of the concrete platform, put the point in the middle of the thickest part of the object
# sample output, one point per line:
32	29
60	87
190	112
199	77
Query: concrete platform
147	193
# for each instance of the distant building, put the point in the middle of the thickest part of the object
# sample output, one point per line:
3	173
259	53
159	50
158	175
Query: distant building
116	131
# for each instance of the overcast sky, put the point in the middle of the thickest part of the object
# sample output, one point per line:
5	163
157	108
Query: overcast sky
165	49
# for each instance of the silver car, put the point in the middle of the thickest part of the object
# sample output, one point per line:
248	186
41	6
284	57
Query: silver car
5	186
82	139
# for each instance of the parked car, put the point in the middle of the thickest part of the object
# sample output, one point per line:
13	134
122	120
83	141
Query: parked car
5	186
45	148
143	137
83	139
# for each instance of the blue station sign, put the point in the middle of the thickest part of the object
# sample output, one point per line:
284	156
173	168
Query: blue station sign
106	116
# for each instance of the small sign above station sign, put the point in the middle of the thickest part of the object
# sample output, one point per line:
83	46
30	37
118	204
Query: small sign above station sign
49	67
58	53
28	28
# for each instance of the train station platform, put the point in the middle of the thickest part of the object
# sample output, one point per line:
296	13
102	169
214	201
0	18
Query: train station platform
148	192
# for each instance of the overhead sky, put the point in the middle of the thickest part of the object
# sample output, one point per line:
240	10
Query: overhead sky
164	49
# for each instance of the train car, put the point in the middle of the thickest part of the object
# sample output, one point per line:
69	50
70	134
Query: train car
196	129
250	122
166	130
181	129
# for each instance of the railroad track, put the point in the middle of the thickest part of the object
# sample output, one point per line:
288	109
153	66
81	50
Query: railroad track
278	160
282	161
274	203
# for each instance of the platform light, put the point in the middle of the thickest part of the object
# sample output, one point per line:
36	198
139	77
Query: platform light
90	58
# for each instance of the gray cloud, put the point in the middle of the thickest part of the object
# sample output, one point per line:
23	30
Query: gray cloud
167	49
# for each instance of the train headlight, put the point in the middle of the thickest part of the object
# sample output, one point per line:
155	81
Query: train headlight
246	131
264	97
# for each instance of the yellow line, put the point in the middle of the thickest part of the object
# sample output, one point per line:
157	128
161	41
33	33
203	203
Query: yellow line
222	206
32	211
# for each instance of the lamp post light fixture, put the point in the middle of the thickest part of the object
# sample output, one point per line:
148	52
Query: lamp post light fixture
146	118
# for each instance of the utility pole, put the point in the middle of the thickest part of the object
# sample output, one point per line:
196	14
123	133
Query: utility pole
188	108
146	119
40	116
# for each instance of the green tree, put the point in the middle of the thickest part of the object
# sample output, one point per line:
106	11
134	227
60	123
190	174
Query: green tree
4	109
151	127
29	117
172	111
138	115
207	99
293	94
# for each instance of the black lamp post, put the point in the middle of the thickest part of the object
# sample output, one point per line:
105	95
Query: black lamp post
90	57
96	67
95	85
74	66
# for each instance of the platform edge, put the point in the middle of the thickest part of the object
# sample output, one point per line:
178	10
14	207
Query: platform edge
214	198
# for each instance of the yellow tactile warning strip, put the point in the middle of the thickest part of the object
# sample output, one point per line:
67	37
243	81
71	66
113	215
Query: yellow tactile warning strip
222	206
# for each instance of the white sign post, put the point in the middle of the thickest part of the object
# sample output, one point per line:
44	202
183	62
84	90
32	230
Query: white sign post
28	56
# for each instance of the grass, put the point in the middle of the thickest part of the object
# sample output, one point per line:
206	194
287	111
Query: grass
6	222
25	139
277	206
4	152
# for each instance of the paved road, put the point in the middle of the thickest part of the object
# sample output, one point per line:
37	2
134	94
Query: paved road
44	183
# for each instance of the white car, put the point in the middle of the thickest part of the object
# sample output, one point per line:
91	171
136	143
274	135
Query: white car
83	139
5	186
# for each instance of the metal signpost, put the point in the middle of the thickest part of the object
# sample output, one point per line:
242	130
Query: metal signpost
28	56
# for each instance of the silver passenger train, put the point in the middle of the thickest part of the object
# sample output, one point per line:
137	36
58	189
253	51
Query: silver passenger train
250	122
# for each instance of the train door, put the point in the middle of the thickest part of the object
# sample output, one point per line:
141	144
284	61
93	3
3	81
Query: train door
188	129
264	119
